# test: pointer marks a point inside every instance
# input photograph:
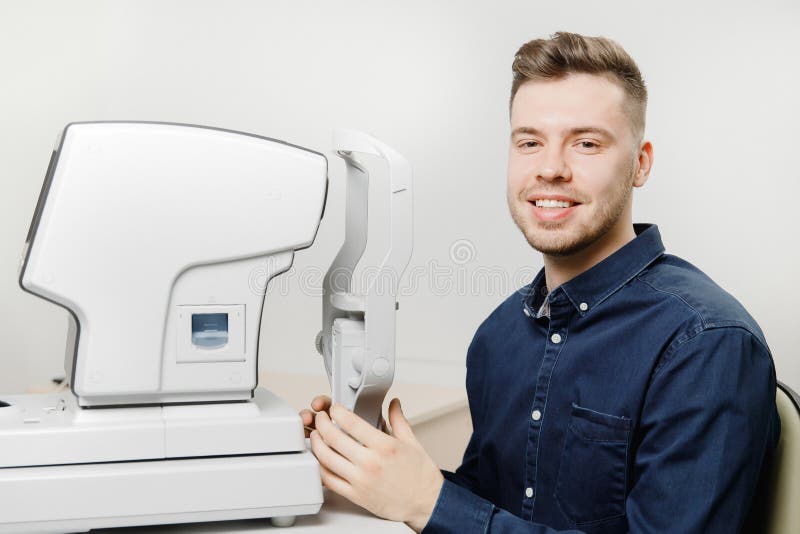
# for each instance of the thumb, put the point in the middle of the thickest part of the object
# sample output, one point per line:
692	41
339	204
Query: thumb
401	428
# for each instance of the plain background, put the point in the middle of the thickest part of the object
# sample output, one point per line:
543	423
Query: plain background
432	80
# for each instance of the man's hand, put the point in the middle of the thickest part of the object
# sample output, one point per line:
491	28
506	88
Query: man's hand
321	403
390	475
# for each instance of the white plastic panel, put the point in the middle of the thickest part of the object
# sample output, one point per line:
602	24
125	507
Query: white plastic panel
39	430
133	206
348	366
241	281
51	429
80	497
265	425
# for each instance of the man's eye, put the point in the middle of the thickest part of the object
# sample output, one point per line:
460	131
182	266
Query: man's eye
529	144
588	145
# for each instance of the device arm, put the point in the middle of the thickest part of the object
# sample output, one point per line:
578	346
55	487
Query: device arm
358	329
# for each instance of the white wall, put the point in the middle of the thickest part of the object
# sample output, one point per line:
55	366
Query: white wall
431	79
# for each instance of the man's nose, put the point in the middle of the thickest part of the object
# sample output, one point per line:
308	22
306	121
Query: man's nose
553	166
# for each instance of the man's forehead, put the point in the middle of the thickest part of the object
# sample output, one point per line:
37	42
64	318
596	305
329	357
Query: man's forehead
578	100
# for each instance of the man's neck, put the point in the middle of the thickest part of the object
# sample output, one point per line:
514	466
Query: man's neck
560	269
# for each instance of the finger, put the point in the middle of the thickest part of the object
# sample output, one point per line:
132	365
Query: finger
321	403
357	427
335	483
400	425
384	426
338	440
330	459
307	417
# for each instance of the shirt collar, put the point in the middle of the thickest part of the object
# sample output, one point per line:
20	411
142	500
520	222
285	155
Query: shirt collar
593	286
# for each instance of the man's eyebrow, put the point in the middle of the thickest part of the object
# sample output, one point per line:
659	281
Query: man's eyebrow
572	131
525	130
592	129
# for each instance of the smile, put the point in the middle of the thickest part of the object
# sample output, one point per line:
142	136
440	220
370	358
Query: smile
548	203
552	210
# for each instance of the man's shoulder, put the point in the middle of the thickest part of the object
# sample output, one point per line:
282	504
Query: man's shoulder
507	314
681	284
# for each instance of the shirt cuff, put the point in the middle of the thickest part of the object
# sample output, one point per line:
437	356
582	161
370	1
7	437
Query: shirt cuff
456	479
458	511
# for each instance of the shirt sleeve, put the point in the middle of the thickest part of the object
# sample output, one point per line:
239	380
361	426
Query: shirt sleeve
459	511
708	422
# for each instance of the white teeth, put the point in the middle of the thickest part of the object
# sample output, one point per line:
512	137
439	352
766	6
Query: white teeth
547	203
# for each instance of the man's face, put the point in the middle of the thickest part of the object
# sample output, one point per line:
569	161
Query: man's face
571	139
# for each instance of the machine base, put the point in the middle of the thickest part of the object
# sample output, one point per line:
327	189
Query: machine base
38	430
77	498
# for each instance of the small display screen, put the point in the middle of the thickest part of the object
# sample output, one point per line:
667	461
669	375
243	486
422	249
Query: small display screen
209	330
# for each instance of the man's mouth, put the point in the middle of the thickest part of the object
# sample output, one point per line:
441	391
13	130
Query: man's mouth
552	201
551	208
547	203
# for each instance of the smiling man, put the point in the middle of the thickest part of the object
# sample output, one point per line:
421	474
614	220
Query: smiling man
622	390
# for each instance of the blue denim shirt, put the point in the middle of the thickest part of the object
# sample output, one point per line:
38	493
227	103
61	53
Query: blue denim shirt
645	402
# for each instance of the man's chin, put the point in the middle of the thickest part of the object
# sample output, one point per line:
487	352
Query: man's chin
557	247
556	239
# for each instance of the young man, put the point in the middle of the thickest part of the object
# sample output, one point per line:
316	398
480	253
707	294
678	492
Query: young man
622	390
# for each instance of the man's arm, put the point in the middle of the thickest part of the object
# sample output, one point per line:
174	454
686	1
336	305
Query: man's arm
706	426
459	511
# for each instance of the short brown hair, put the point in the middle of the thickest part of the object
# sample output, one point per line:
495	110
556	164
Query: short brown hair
569	53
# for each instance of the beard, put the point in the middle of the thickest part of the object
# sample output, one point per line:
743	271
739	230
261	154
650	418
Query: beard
553	238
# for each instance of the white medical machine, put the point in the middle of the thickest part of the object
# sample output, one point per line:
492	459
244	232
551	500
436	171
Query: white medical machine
159	240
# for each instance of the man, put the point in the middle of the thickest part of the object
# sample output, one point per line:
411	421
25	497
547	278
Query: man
622	390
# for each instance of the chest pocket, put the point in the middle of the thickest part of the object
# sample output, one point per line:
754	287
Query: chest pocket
590	485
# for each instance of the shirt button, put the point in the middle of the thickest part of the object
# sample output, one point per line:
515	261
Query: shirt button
529	492
555	338
583	306
536	415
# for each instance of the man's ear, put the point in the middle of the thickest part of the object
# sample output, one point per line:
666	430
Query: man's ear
645	163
